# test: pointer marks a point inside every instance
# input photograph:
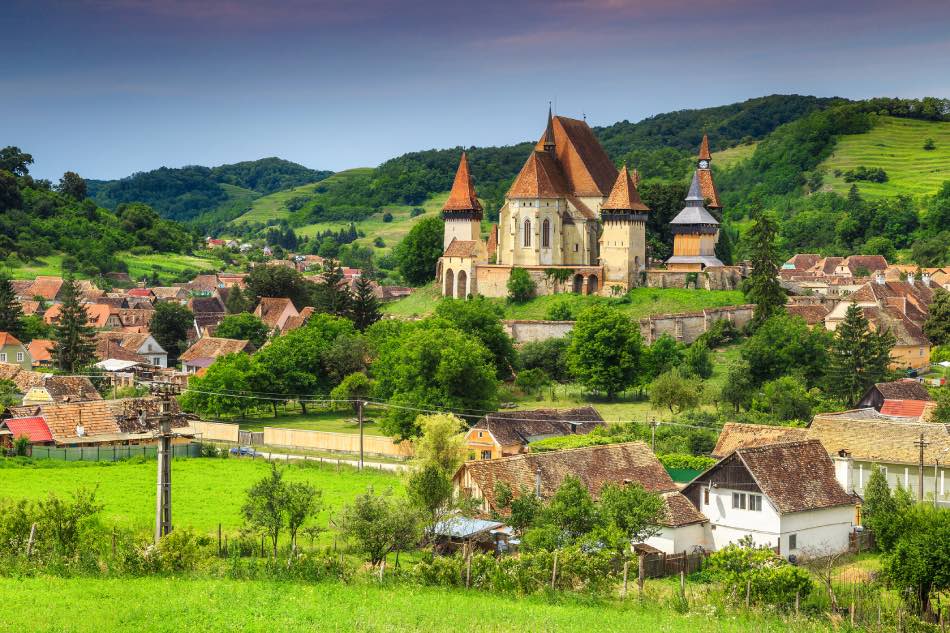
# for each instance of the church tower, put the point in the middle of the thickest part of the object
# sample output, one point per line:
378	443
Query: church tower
695	233
706	185
462	211
623	240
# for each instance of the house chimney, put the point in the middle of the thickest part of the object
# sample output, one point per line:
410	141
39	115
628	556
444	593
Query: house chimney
879	278
537	482
925	279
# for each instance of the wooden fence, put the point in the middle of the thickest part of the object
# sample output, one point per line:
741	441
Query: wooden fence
658	565
337	442
250	438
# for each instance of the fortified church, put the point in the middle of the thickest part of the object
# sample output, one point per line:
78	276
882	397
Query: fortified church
576	223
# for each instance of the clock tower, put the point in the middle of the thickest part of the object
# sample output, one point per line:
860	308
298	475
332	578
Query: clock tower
704	172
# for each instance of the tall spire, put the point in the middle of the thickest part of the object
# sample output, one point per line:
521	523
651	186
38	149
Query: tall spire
704	149
549	132
463	196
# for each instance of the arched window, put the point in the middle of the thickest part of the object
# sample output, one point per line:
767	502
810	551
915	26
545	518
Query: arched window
527	233
546	234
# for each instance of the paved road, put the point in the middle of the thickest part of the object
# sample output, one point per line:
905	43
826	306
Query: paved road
330	460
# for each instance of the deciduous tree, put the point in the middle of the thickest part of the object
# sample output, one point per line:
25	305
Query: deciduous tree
170	325
937	326
605	350
675	391
482	319
244	327
417	254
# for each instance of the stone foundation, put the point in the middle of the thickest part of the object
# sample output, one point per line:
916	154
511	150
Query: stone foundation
713	278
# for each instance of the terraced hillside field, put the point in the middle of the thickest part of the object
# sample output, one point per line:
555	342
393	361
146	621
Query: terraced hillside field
274	206
729	157
896	146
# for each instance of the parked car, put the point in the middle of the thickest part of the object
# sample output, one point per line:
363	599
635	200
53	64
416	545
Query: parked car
242	451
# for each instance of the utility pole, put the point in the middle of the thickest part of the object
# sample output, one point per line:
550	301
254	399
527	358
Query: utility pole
921	444
163	494
359	411
653	425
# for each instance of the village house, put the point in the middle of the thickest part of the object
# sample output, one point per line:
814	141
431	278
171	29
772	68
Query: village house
298	321
275	311
98	315
207	349
143	345
784	496
175	294
41	387
858	441
209	311
13	351
95	423
506	433
40	350
905	398
541	474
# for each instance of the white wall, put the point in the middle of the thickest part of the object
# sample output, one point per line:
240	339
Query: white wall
853	477
826	529
677	540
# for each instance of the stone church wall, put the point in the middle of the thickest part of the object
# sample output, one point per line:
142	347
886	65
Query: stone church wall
713	278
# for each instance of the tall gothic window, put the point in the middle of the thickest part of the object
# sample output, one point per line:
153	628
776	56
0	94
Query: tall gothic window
546	234
527	233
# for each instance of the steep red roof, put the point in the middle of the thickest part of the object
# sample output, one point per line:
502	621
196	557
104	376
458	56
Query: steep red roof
540	177
8	339
46	287
704	149
463	196
624	195
34	429
39	349
461	248
708	189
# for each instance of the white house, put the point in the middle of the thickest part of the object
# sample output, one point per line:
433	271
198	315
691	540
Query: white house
781	495
146	345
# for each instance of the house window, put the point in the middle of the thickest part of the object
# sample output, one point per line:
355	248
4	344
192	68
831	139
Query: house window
3	358
738	501
19	357
546	234
575	248
527	233
479	434
792	541
705	496
486	454
755	502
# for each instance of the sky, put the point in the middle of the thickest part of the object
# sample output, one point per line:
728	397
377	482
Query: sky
111	87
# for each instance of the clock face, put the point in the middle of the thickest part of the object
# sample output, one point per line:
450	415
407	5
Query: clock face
704	164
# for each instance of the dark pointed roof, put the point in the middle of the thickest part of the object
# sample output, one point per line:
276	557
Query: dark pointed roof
704	149
624	195
463	196
694	212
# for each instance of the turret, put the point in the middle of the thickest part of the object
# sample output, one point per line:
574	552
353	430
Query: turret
462	211
623	239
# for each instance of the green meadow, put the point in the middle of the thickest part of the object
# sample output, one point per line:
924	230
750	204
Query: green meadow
895	145
205	491
729	157
174	604
167	265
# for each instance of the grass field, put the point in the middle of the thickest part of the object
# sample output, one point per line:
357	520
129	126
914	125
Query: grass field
895	145
167	265
189	604
643	302
205	491
330	421
729	157
274	206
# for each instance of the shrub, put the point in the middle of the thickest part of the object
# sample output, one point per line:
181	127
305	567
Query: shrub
21	446
929	145
770	579
520	286
416	211
532	380
548	356
387	217
559	311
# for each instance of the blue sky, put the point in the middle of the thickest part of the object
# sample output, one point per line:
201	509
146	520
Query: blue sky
110	87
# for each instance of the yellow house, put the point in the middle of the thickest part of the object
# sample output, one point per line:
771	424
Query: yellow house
508	433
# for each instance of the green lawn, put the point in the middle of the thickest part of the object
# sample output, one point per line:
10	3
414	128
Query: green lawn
729	157
190	604
48	265
643	302
205	491
331	421
895	145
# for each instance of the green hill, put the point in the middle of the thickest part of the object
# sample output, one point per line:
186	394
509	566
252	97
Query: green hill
216	194
896	146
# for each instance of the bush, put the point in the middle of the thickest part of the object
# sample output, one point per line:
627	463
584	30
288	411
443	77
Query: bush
532	380
520	286
559	311
387	217
416	211
929	145
771	580
548	356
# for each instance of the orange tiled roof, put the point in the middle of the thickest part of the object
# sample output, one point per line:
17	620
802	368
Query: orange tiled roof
211	347
46	287
708	189
8	339
39	349
461	248
540	177
587	169
624	195
463	196
97	314
904	408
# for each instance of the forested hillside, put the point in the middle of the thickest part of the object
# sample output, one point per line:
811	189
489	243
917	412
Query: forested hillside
189	192
38	219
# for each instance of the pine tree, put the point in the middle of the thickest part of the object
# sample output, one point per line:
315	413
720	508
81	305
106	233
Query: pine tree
859	357
332	294
73	338
236	302
11	316
365	310
762	287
